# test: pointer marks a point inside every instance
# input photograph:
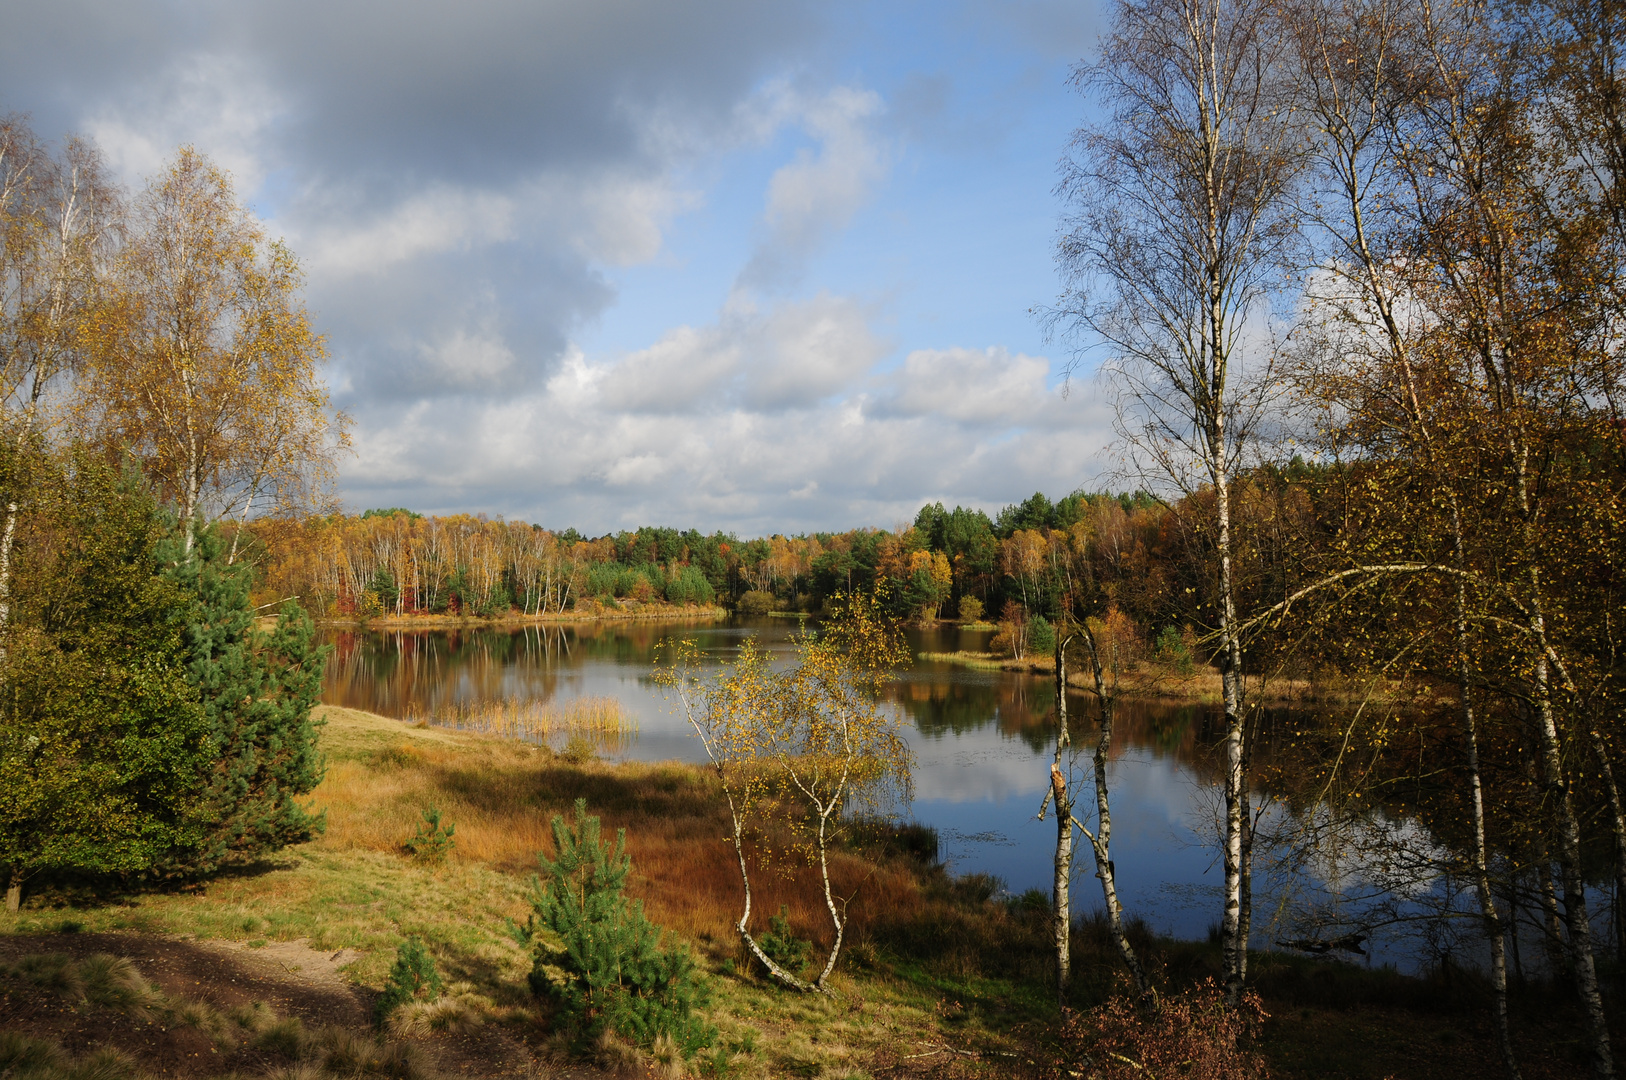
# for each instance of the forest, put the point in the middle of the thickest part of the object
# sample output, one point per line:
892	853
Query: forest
399	562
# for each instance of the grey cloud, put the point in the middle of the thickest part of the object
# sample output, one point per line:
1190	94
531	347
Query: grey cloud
394	334
453	174
407	91
495	87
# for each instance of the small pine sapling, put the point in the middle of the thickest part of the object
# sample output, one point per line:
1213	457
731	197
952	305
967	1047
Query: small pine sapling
596	955
433	842
783	947
413	978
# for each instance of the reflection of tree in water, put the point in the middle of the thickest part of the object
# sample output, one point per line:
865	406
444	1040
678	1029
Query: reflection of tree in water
397	673
1020	707
401	673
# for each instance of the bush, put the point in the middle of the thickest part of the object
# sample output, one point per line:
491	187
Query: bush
756	602
970	608
432	843
1191	1034
596	956
413	978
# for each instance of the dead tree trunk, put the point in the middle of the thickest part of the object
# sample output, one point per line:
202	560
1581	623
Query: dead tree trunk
1101	839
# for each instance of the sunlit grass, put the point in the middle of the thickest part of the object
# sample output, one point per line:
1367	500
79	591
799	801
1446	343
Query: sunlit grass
356	888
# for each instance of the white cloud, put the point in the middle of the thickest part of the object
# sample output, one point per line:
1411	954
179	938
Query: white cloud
427	223
790	355
694	431
219	102
816	193
986	386
467	357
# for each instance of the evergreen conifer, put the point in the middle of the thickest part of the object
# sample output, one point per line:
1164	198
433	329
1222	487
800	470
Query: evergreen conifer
257	692
412	978
615	974
102	737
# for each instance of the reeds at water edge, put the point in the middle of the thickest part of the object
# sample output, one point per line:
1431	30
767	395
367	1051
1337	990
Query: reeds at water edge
600	721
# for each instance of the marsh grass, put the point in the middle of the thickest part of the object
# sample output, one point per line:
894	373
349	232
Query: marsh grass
599	721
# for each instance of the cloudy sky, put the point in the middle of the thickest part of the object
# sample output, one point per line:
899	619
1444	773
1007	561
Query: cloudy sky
761	266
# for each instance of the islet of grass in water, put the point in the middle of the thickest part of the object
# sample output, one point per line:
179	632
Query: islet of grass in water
598	720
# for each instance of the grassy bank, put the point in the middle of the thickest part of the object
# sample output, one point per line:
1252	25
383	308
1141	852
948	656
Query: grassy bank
942	977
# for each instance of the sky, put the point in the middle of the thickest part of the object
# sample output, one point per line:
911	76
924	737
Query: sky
723	264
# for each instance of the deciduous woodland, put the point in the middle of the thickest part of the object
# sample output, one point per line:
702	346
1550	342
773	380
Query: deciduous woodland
1354	272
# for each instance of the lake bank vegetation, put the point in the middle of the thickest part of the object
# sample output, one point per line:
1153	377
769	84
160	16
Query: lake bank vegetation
943	976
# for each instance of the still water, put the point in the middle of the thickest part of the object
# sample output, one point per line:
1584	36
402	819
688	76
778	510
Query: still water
982	740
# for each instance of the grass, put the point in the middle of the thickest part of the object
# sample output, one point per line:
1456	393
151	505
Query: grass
244	1036
599	721
941	976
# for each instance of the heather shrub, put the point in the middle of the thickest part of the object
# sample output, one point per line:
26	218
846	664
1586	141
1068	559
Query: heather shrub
1191	1034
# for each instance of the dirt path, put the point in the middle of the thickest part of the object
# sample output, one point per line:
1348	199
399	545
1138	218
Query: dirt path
289	976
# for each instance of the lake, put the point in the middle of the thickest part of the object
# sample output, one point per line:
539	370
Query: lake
983	742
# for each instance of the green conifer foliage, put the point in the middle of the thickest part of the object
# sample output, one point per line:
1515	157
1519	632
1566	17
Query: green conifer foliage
102	738
601	960
412	978
433	841
256	692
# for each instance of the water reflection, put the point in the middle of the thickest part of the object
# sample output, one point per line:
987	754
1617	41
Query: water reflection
982	741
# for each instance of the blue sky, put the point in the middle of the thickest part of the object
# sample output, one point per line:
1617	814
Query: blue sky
723	264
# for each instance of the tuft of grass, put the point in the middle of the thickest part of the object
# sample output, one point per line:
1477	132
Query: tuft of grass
53	972
21	1055
460	1009
114	981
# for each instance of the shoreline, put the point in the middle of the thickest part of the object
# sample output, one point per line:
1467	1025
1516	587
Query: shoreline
1201	687
469	622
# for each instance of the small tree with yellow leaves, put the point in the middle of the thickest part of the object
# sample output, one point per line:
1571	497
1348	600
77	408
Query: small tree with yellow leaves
807	744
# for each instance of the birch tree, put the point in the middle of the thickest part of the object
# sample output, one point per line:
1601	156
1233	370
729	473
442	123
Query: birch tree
207	368
1101	646
58	216
798	750
1347	54
1180	227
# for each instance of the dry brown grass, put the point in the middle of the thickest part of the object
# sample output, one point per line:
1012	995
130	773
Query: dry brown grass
502	795
600	721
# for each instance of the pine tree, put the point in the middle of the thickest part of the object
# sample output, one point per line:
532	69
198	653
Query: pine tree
413	978
257	692
615	973
102	739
